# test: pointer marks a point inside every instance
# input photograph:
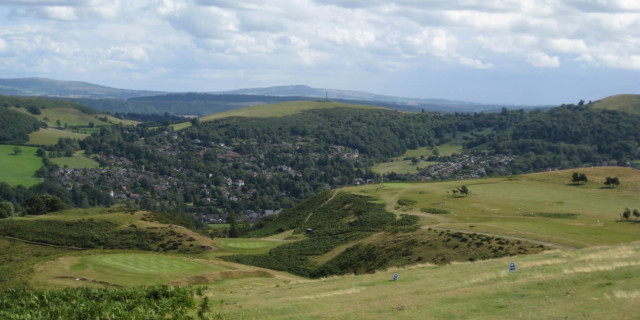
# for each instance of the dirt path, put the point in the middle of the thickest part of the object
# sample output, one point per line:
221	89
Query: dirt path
497	235
328	200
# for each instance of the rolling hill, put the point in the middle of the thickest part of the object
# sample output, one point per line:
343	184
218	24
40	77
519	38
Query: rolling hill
629	103
136	101
598	280
66	89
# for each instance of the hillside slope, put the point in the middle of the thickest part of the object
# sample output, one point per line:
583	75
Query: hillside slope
629	103
68	89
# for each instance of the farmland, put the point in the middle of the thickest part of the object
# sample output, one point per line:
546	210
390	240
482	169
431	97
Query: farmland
50	136
18	169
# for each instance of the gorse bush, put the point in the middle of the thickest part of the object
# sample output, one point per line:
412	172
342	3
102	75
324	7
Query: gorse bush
156	302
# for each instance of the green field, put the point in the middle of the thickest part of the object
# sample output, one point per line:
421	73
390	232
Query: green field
19	169
594	283
123	269
280	109
219	225
401	166
228	246
70	116
76	162
524	206
50	136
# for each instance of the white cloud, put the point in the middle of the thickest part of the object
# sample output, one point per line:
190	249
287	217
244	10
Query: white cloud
541	59
289	38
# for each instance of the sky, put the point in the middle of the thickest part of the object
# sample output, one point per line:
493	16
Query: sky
525	52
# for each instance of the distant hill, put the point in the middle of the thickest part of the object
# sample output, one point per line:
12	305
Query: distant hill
282	109
107	99
360	97
65	89
629	103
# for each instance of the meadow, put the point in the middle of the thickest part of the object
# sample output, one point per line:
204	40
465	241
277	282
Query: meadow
403	164
75	162
19	169
50	136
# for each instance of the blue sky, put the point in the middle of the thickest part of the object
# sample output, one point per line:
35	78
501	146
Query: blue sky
490	51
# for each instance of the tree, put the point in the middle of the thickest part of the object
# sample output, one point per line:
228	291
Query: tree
626	213
464	190
612	182
636	213
42	204
578	178
6	209
17	151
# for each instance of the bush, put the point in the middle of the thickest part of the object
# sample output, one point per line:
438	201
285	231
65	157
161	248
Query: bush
42	204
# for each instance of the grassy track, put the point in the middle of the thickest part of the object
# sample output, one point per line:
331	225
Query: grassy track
50	136
19	169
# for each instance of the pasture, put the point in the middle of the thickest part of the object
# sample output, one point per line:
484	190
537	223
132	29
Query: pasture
404	165
76	162
19	169
50	136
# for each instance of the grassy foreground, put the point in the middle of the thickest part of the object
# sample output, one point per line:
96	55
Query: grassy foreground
593	283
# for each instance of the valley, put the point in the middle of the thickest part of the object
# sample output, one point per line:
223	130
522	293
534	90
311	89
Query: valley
318	204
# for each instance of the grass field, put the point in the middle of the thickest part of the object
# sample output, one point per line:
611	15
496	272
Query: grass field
123	269
50	136
19	169
527	206
280	109
76	162
72	117
228	246
219	225
401	166
594	283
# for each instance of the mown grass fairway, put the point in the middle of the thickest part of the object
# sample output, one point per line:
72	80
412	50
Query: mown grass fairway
50	136
281	109
594	283
19	169
538	206
228	246
122	269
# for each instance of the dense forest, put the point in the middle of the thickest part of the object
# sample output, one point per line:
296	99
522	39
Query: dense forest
15	126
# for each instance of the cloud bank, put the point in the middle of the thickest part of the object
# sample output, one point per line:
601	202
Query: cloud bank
224	44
